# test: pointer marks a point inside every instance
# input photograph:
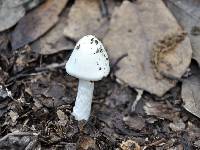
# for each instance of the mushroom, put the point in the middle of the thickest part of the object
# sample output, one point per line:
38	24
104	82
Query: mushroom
88	62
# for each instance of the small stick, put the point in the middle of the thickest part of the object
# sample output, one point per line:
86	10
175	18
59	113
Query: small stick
50	67
114	66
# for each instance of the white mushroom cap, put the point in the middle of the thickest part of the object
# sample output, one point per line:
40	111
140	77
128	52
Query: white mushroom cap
89	60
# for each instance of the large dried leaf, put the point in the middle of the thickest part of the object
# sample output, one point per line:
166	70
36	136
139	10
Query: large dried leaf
10	13
85	18
190	94
54	41
187	13
145	31
36	23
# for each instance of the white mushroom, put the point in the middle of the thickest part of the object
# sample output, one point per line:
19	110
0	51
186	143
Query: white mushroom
88	62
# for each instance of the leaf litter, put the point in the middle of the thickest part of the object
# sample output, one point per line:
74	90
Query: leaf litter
37	113
36	23
14	11
54	41
138	27
188	15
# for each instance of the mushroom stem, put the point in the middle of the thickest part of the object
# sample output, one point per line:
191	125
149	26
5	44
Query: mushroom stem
82	108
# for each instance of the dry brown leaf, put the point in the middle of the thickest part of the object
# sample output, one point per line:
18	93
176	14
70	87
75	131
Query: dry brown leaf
36	23
85	18
13	115
190	94
169	62
187	13
10	14
49	92
62	117
16	3
86	143
160	110
129	145
134	30
177	125
134	122
54	41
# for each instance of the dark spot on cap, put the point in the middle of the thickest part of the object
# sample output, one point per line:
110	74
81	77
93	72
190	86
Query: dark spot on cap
100	68
106	58
92	40
97	50
78	46
96	42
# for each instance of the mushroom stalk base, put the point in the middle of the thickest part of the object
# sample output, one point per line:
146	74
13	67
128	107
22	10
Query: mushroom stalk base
82	108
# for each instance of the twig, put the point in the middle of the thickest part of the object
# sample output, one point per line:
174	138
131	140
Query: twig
138	97
36	71
114	66
154	143
50	67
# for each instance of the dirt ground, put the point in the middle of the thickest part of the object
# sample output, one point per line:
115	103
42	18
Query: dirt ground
37	97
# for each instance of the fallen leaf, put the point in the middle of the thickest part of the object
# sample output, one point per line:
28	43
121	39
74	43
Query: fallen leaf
188	15
193	131
135	29
86	143
85	18
16	3
70	146
190	94
54	41
3	76
160	110
134	122
177	125
197	143
4	92
19	140
36	23
50	93
10	13
130	145
13	115
62	117
169	62
119	96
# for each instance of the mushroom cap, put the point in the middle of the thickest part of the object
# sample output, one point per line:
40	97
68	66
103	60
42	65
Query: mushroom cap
89	60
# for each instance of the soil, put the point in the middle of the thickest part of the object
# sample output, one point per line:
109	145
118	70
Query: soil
37	97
